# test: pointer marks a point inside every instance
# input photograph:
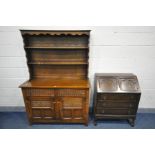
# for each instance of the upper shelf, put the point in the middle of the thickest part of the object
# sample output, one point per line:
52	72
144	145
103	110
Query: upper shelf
59	63
56	32
69	47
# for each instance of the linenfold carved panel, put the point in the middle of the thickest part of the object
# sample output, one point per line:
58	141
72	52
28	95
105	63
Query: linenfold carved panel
39	92
71	92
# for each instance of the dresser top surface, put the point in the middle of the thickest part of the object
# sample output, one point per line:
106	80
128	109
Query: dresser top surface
56	83
117	83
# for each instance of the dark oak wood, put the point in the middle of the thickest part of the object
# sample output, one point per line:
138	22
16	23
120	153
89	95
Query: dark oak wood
58	88
116	96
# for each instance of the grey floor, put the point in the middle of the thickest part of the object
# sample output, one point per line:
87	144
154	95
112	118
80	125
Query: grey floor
18	120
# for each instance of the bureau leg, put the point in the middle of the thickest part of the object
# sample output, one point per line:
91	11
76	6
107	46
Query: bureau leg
131	121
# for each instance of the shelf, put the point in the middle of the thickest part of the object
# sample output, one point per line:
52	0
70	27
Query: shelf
56	32
58	63
75	47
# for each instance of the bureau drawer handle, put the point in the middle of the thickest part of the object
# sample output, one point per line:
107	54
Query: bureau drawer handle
131	105
104	104
102	111
104	98
132	97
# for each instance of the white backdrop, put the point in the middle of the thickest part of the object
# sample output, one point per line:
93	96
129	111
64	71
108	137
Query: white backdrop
112	49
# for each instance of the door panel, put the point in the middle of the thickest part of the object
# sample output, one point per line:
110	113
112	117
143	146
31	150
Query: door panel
77	113
36	113
72	108
67	114
72	102
42	107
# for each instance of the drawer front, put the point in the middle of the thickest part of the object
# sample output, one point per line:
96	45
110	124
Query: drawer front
116	96
116	104
111	111
71	92
39	92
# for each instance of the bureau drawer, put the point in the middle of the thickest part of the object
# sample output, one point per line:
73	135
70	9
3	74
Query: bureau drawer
116	96
116	104
112	111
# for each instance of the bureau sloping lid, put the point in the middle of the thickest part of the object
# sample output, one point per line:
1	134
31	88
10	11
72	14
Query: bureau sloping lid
128	84
108	84
123	83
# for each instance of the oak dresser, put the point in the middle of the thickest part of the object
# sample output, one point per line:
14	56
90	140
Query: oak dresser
58	87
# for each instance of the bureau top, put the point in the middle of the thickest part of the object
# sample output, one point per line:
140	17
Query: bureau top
115	74
117	83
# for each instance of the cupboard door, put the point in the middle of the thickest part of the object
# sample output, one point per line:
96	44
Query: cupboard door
72	108
42	108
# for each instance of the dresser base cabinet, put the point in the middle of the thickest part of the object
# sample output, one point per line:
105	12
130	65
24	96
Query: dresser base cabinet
56	105
116	96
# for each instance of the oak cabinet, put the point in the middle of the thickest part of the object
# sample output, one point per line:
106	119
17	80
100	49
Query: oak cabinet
63	107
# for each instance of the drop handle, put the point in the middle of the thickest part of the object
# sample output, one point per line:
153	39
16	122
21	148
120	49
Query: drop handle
104	98
132	97
131	105
104	104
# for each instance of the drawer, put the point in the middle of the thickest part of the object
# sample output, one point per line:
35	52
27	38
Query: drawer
111	96
71	92
111	111
116	104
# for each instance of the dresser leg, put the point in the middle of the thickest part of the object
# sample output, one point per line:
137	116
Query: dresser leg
95	122
30	122
86	124
131	121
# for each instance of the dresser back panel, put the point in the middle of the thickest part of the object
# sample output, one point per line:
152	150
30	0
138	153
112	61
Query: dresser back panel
56	41
59	71
51	55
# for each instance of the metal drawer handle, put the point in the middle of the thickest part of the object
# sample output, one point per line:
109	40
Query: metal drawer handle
104	98
104	104
131	105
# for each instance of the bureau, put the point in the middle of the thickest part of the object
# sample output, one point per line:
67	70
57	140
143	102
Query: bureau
116	96
58	87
